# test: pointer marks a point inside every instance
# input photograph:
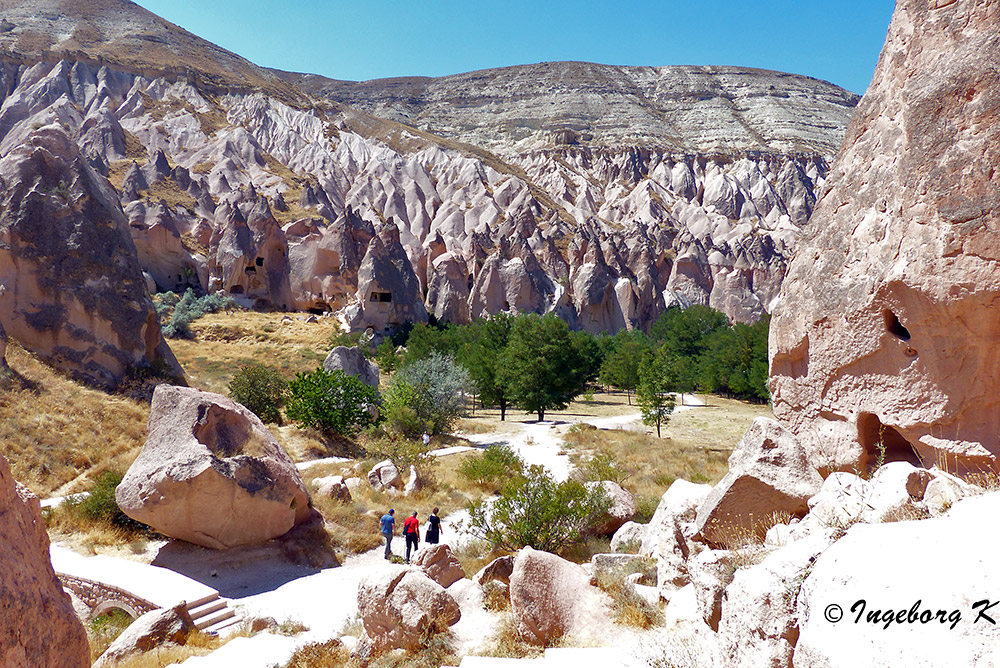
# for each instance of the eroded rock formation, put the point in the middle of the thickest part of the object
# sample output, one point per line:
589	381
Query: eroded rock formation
211	474
38	626
884	336
73	291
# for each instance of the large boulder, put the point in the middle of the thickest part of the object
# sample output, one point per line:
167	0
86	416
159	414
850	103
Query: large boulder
211	474
758	624
871	354
439	563
74	293
551	597
622	507
500	570
669	534
151	630
769	477
38	626
399	608
352	362
895	610
385	475
332	487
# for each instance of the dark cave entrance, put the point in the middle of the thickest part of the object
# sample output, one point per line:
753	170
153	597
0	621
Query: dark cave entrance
894	326
871	432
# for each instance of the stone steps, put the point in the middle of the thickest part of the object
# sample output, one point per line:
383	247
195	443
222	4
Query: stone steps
212	613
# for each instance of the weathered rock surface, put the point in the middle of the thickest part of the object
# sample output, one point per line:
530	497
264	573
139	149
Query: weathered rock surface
759	618
397	609
3	348
211	474
621	511
711	571
74	292
333	487
868	344
500	569
551	597
385	475
669	534
696	194
845	574
629	536
151	630
38	626
352	362
769	473
439	563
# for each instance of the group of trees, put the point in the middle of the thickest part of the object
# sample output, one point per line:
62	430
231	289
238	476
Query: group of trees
530	362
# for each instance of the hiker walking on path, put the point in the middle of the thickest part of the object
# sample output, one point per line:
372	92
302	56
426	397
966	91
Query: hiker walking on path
426	438
388	527
411	532
433	533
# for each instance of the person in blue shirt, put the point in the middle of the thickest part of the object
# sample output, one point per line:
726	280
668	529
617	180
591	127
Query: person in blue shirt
388	527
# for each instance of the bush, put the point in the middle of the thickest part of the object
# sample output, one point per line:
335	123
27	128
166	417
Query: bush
261	389
605	466
533	509
189	308
434	389
331	401
493	468
402	452
100	506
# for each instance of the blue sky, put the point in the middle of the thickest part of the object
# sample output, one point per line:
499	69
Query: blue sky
369	39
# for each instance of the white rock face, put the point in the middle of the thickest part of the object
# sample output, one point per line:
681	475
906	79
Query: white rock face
952	545
352	362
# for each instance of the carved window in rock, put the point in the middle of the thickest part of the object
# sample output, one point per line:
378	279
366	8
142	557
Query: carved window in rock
380	297
259	262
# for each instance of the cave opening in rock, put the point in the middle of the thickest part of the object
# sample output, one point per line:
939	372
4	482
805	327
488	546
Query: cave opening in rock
876	437
894	326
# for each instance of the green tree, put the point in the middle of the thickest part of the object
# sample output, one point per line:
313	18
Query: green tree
425	340
542	367
386	357
620	367
433	388
483	356
332	401
261	389
533	509
656	378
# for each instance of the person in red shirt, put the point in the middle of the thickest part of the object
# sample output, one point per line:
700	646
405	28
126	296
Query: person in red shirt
411	532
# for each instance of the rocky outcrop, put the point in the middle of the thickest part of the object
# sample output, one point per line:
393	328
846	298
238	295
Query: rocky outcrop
551	597
74	293
917	634
151	630
769	478
439	564
398	609
352	362
388	291
332	487
620	511
908	234
211	474
385	475
38	626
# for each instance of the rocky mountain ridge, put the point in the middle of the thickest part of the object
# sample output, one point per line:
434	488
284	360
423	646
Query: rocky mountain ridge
230	184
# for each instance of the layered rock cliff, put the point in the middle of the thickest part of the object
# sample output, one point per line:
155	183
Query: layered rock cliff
620	192
884	336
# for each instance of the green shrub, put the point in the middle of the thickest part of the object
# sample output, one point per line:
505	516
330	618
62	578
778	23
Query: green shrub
434	389
400	409
490	470
100	506
533	509
605	466
261	389
331	401
189	308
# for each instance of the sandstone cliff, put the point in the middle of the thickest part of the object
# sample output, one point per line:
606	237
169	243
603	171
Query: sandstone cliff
887	322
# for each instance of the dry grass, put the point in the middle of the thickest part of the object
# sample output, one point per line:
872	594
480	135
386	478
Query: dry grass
171	193
507	642
56	432
629	608
329	654
496	597
198	644
696	446
354	527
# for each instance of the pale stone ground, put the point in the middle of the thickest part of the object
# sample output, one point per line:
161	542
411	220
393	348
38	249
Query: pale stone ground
325	601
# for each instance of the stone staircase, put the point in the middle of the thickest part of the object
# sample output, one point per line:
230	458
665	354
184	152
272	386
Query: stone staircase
212	614
561	657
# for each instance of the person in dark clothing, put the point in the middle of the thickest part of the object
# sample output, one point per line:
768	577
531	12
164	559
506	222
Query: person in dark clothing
411	532
388	527
433	533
